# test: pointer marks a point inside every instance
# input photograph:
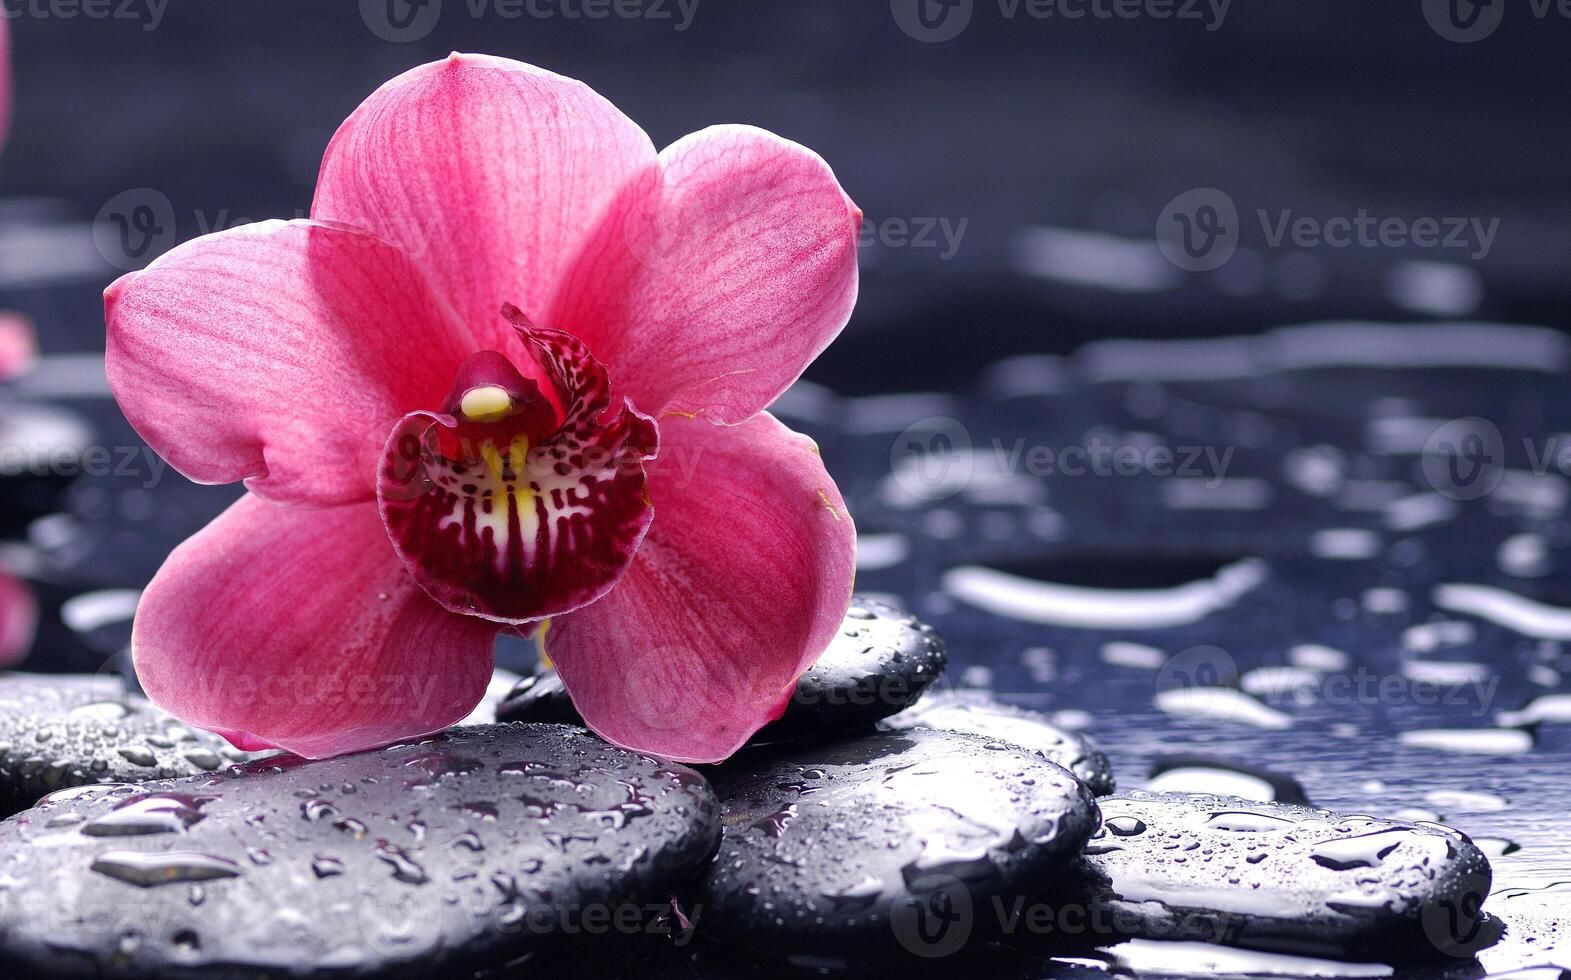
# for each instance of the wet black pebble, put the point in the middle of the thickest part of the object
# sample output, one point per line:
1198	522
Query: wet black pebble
850	850
1280	877
963	712
878	664
75	729
540	698
463	850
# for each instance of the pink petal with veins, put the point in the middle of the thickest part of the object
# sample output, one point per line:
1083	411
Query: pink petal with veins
300	629
279	353
490	172
716	281
741	583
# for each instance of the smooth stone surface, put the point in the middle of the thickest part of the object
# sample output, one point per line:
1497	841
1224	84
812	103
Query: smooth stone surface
1280	877
878	664
75	729
960	712
462	850
838	851
539	698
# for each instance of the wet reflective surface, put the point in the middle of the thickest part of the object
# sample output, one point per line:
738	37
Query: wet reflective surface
463	850
1333	617
60	732
845	851
1282	878
1296	603
962	712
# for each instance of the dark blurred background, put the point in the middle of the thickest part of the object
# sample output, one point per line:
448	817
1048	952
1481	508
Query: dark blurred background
1012	175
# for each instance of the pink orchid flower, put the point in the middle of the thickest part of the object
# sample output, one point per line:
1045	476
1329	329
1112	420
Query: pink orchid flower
682	556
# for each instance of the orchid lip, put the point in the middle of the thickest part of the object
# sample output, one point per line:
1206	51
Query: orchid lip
506	507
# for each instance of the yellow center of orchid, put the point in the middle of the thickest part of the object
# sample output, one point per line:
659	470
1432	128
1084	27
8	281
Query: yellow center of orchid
485	404
513	482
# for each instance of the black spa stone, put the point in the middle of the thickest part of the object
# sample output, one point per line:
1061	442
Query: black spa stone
879	663
1280	877
75	729
460	851
843	851
540	698
980	715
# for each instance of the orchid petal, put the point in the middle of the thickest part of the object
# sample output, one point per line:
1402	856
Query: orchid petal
279	353
491	172
715	282
740	584
300	629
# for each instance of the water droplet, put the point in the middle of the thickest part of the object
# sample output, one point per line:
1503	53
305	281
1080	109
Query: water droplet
777	823
326	867
148	868
404	867
150	813
1125	826
138	755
